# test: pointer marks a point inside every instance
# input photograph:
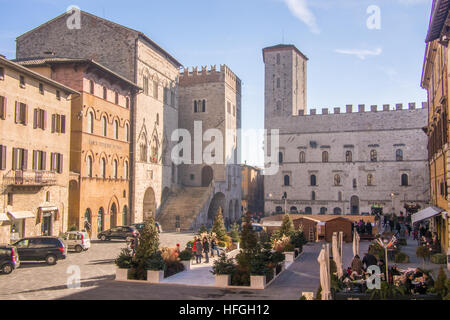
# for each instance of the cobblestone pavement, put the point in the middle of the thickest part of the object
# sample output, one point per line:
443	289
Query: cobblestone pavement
40	281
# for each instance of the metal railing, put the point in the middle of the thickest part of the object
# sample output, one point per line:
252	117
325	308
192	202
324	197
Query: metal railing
29	178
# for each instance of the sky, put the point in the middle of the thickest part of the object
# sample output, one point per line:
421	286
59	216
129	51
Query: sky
360	51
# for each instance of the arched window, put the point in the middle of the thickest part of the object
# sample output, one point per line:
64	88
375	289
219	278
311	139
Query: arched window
286	180
399	155
103	168
308	210
323	210
279	209
313	195
302	157
89	166
373	155
116	129
195	106
405	181
337	211
127	132
325	156
125	170
280	157
370	179
104	126
337	180
203	105
100	221
313	180
90	124
348	156
293	210
115	169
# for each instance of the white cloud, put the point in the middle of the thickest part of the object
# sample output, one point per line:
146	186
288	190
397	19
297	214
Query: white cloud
299	8
360	53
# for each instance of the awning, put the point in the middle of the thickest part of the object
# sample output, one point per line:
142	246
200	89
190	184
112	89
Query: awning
426	214
21	214
4	217
46	209
272	223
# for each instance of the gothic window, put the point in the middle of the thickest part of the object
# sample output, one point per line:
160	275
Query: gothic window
313	180
125	170
155	90
143	149
370	179
203	105
405	180
325	156
90	122
127	132
116	129
373	155
302	157
103	168
89	166
308	210
104	126
115	169
280	157
154	150
323	210
145	85
399	155
278	82
337	180
286	180
348	156
278	105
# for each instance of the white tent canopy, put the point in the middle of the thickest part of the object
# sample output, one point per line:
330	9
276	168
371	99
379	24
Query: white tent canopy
21	214
426	214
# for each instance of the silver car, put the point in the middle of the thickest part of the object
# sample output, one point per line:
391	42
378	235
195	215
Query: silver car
77	240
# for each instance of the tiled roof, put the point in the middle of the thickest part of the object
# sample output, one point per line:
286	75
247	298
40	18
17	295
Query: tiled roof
437	20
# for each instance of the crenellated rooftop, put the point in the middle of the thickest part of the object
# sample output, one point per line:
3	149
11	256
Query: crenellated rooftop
205	75
362	108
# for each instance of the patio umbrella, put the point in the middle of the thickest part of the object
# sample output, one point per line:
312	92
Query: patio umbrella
324	274
336	254
355	243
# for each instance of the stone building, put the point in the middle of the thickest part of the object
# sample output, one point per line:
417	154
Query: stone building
155	179
99	141
435	80
34	151
252	185
340	163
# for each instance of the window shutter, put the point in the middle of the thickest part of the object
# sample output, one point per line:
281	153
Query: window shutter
35	118
60	169
25	160
35	160
3	109
17	113
25	117
44	120
3	158
44	161
14	159
52	162
53	123
63	124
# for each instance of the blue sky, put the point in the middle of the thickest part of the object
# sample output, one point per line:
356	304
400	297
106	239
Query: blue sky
348	63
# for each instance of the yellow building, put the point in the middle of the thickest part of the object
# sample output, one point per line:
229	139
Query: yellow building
34	152
252	186
100	141
435	80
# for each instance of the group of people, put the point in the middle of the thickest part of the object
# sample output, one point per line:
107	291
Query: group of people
363	228
358	268
202	247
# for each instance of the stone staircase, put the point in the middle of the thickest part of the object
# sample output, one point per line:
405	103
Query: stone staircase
187	203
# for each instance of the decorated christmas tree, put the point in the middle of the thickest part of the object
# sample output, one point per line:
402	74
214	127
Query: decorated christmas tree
219	226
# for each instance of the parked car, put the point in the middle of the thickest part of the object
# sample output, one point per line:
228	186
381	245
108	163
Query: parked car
77	240
9	259
48	249
140	226
118	233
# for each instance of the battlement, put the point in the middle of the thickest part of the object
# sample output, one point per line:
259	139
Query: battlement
210	75
362	108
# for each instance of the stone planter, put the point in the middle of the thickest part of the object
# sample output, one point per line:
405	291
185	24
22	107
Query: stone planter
289	256
155	276
223	280
257	282
187	264
121	274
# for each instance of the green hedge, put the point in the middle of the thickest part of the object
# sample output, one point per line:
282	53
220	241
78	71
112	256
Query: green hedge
439	258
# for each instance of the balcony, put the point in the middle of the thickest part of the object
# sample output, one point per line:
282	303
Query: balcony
29	178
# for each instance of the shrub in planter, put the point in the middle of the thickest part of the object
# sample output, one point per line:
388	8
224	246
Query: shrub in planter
155	262
173	268
439	258
289	248
234	233
277	257
186	255
298	239
124	259
401	257
240	277
223	265
278	269
440	285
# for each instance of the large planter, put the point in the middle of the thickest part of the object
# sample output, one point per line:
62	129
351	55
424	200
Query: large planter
223	280
289	256
187	264
121	274
257	282
155	276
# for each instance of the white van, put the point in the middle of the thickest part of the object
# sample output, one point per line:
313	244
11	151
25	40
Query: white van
77	240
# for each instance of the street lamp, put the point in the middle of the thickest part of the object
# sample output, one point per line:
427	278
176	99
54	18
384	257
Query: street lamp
392	196
285	202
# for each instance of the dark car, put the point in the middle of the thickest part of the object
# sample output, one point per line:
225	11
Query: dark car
48	249
118	233
9	259
140	226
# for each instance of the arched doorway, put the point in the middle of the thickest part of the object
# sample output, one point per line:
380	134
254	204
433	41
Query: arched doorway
217	201
149	209
207	176
354	205
100	218
125	216
87	224
113	215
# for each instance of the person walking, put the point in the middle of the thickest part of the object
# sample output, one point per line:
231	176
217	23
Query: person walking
369	260
214	247
198	251
357	265
206	249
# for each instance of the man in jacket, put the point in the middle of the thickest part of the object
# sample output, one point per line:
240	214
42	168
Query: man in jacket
369	260
206	249
198	251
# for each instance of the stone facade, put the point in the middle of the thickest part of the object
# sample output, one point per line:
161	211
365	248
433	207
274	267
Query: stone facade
34	168
343	163
252	185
